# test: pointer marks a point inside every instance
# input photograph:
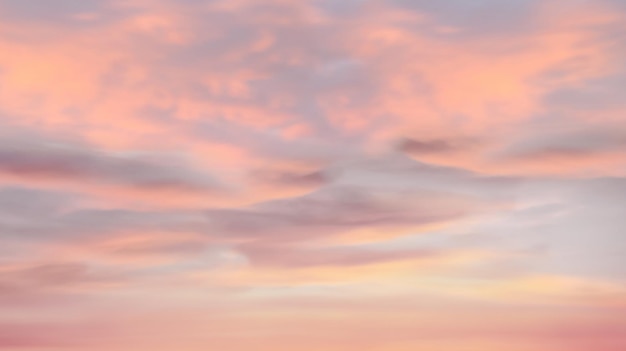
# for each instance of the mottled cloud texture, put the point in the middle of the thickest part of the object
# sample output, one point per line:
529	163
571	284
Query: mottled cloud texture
312	175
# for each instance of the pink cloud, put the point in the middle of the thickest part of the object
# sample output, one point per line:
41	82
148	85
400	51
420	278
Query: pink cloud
315	175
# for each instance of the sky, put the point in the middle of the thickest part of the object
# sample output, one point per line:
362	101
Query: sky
313	175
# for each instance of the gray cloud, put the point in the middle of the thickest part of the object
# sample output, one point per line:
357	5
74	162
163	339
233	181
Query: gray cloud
20	202
45	10
566	143
478	17
332	210
402	173
291	179
38	160
387	193
294	257
595	95
419	147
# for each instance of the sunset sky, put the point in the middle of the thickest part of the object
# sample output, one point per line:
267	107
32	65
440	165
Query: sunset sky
313	175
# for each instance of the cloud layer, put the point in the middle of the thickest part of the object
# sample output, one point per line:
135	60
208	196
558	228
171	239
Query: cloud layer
312	175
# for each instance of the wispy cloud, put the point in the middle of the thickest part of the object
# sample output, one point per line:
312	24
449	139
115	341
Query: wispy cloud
312	175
